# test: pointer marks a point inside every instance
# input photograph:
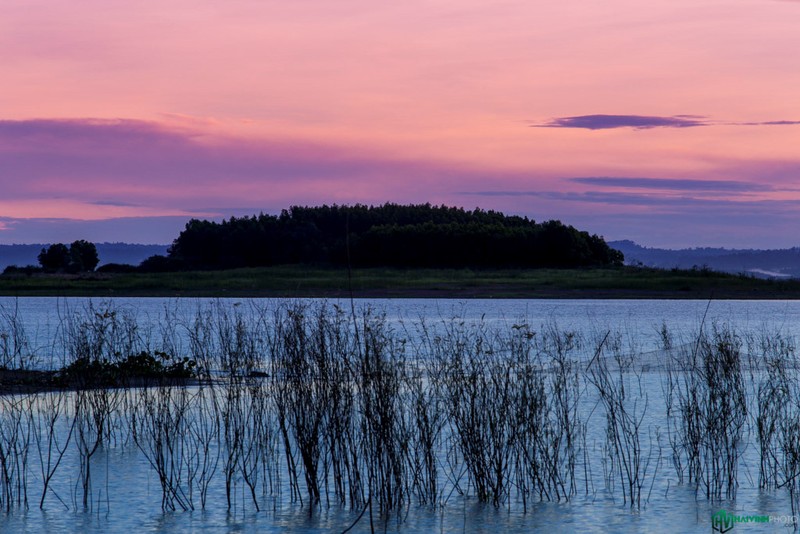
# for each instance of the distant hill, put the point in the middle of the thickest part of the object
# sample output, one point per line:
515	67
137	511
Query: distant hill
779	263
133	254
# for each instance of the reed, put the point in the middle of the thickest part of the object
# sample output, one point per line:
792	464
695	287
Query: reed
15	438
619	385
708	385
333	407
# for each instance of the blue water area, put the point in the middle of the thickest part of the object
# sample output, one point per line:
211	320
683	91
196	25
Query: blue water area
123	491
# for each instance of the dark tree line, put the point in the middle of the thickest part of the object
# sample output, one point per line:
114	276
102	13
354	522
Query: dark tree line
80	256
387	235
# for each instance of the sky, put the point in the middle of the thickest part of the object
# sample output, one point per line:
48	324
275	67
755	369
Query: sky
673	123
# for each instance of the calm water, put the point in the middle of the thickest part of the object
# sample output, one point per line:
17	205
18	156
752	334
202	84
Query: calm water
126	495
43	317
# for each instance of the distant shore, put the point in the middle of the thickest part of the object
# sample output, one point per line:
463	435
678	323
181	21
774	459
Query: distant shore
296	281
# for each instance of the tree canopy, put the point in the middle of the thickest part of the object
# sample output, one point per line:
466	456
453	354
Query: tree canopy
54	258
387	235
80	256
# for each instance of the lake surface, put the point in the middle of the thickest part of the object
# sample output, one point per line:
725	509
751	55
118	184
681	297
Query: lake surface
125	494
43	317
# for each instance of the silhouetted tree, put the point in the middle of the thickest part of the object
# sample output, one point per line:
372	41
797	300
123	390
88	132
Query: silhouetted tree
83	256
79	257
54	258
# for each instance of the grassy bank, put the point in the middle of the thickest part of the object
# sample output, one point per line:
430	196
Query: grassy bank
305	281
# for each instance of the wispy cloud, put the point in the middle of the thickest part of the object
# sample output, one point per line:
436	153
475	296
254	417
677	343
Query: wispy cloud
141	181
70	134
646	122
676	204
87	168
658	218
117	203
603	197
673	184
767	123
639	122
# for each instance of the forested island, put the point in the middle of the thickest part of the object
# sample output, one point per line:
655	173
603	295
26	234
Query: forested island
380	251
390	235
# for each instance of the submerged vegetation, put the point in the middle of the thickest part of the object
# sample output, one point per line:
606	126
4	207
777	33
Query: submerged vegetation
337	407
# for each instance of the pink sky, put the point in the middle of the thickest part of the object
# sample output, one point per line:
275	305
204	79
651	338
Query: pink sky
673	123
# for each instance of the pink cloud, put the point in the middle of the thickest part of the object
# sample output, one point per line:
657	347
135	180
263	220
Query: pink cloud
121	167
109	169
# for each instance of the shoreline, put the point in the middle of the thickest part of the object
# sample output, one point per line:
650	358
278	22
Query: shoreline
325	282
